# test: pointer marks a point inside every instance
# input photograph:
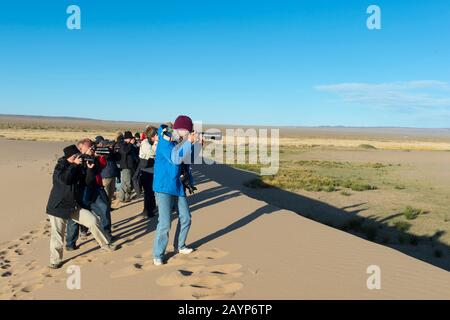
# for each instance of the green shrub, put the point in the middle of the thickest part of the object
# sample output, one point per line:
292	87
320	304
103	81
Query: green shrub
355	186
366	146
257	184
376	165
354	224
411	213
402	226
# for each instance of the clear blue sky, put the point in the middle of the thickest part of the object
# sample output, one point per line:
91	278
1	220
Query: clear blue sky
286	62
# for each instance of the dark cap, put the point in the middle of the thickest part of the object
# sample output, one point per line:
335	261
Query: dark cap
70	151
128	135
99	139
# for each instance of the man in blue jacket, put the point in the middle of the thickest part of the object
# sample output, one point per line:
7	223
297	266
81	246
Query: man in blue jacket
175	148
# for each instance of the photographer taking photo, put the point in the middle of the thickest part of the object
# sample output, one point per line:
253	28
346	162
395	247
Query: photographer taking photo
94	197
144	172
175	148
111	171
128	163
65	202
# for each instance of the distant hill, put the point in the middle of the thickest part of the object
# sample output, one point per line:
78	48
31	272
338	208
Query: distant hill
41	122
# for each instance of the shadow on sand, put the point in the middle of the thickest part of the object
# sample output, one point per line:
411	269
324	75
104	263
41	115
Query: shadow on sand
429	249
231	184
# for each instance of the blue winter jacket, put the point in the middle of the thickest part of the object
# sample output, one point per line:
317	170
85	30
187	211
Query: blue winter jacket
167	169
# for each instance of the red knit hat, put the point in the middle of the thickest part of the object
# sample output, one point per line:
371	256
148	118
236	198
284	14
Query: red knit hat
183	122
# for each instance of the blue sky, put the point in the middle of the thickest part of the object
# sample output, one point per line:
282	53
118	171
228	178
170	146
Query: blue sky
261	62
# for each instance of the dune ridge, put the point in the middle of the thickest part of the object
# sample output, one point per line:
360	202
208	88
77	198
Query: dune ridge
245	249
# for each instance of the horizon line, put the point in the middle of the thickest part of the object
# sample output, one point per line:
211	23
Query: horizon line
220	124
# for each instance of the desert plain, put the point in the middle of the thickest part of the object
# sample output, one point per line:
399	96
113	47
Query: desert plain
343	200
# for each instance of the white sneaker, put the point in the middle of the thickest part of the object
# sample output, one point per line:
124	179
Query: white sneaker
157	262
185	250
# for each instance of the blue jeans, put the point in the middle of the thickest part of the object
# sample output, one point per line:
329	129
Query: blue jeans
166	203
100	207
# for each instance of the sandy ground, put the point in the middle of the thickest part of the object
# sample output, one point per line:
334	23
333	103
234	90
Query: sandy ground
246	248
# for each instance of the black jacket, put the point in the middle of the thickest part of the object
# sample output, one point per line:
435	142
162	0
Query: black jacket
128	156
69	181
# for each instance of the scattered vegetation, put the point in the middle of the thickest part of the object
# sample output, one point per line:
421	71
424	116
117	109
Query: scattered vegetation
354	224
257	184
411	213
402	226
294	178
340	164
297	172
360	225
249	167
355	186
366	146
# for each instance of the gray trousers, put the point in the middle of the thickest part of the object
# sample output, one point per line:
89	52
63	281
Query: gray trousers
58	232
126	185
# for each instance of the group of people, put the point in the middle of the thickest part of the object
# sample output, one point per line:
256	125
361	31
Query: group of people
153	165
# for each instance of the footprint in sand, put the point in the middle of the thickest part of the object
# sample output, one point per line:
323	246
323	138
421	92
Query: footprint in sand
21	290
5	266
20	276
131	270
199	256
84	259
31	288
6	274
144	262
204	282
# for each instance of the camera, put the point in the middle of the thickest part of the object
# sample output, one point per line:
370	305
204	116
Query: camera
184	177
211	135
105	147
87	159
102	150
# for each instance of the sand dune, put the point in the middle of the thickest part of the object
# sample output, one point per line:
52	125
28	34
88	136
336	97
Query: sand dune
246	249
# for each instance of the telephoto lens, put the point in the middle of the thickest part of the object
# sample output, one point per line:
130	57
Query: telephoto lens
102	150
212	135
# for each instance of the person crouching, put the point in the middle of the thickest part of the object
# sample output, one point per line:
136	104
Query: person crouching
65	203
